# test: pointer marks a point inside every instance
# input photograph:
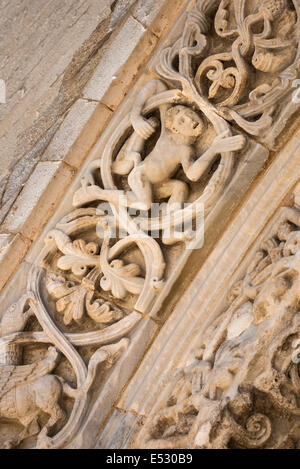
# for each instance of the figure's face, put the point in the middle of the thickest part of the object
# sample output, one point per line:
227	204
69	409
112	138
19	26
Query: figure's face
292	244
271	298
284	230
187	122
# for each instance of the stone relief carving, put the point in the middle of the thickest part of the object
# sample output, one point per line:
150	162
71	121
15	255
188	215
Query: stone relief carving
77	306
180	127
246	57
162	147
152	156
149	180
243	378
35	388
76	300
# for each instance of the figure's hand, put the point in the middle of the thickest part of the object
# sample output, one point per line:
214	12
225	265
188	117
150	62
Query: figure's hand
135	157
223	143
143	127
178	374
199	376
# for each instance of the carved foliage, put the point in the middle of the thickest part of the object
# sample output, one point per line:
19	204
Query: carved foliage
246	57
243	380
28	392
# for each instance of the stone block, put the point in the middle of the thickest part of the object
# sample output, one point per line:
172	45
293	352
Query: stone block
38	199
118	431
113	59
160	19
78	133
123	82
11	257
146	10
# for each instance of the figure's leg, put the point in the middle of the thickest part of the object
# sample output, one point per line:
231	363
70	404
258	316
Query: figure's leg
176	190
141	195
48	391
56	414
49	403
178	193
88	194
31	428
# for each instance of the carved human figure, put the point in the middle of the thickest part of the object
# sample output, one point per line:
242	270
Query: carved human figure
230	355
275	287
180	127
185	399
274	47
270	285
277	284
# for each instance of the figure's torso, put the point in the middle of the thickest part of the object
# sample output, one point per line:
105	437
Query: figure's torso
164	160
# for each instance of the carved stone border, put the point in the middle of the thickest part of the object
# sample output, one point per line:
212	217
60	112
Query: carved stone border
223	210
205	298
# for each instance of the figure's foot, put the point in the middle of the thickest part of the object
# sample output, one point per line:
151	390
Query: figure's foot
174	207
8	444
43	440
87	194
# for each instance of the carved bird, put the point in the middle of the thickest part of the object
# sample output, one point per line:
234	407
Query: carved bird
14	319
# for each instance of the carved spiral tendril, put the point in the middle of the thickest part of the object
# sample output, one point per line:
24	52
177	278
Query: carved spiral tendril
256	433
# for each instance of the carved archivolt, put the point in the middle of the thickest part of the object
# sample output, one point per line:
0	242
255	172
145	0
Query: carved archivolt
243	379
246	56
177	145
161	147
148	177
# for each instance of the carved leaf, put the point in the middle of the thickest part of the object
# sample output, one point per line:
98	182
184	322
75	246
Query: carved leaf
76	300
81	256
120	279
101	311
78	255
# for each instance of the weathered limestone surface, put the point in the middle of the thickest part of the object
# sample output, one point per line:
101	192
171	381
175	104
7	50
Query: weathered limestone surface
158	305
50	56
47	56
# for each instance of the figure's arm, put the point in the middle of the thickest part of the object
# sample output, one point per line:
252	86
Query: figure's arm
141	125
222	143
130	155
195	169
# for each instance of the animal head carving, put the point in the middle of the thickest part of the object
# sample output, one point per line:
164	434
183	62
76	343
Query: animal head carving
15	317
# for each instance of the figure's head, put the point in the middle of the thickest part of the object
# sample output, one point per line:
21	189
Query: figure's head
183	120
292	245
284	230
274	295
